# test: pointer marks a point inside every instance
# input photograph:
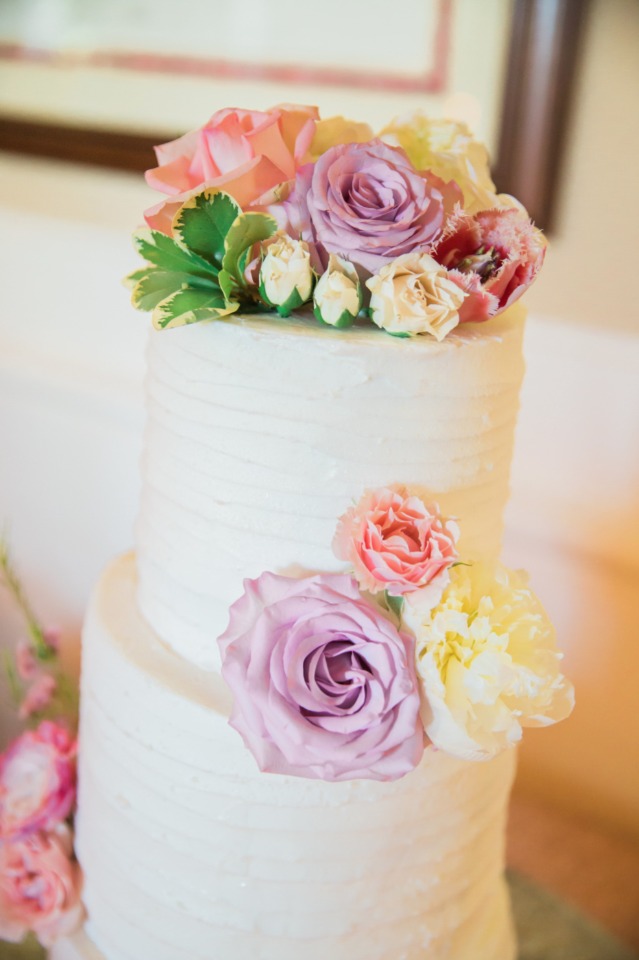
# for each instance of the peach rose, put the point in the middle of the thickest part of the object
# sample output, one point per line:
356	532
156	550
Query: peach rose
39	887
246	153
395	542
37	781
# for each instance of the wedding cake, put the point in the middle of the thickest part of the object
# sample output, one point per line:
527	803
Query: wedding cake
302	693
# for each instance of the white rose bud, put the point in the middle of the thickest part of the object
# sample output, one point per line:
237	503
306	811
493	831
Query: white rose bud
286	275
338	294
414	294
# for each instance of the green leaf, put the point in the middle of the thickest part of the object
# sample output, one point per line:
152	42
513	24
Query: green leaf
228	287
248	228
164	252
156	285
132	279
203	223
394	604
190	305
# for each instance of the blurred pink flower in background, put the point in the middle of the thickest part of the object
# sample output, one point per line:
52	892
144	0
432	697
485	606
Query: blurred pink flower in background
37	781
39	887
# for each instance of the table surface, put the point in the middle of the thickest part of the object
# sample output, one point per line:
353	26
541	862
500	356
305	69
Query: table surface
548	929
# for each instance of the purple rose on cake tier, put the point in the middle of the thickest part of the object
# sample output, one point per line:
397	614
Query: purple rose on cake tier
367	203
324	685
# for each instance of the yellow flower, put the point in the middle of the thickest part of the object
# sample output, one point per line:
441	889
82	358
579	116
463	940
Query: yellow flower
448	148
336	130
488	662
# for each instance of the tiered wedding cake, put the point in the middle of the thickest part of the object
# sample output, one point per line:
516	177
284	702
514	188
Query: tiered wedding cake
328	503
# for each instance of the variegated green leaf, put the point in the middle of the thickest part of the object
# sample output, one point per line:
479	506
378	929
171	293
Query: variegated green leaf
165	252
248	229
134	278
203	222
191	305
157	285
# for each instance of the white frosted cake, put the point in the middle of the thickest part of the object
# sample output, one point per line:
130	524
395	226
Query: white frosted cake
317	562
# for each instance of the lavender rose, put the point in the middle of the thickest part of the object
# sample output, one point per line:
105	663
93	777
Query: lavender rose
367	203
324	685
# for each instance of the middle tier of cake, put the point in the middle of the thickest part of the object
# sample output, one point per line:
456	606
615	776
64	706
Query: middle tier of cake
261	433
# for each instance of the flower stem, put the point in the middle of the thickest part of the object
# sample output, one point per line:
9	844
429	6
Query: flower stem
9	578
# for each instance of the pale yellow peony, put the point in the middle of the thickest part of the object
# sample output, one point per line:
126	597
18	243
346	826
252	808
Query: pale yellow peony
337	130
413	295
487	660
448	148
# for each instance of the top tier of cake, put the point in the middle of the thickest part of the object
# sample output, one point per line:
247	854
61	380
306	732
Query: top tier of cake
262	432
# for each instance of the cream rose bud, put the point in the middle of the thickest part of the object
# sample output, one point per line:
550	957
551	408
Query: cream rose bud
338	294
412	295
286	275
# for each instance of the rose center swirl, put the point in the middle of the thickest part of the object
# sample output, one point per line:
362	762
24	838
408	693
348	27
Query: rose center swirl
338	677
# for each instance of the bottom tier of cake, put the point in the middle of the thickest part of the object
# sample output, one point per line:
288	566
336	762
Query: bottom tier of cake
188	850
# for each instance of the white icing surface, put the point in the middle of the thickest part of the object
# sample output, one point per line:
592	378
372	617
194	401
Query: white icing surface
189	851
262	432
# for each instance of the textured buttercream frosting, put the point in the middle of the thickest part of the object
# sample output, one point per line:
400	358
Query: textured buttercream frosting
188	850
262	432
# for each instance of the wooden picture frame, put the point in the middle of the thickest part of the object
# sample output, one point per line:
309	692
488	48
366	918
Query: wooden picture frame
537	93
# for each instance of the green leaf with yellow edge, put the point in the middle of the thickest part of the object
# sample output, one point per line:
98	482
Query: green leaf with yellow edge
247	229
190	305
165	252
132	279
203	222
156	285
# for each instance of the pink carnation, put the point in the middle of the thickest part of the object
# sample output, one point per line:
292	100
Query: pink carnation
324	684
39	887
394	541
494	256
246	153
37	781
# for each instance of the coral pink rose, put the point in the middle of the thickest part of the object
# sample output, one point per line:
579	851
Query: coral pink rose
246	153
37	781
493	256
394	542
39	887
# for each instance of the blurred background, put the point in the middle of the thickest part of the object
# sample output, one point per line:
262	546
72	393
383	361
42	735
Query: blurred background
86	87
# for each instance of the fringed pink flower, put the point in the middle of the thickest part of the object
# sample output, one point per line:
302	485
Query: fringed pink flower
246	153
493	256
395	542
39	887
324	684
37	781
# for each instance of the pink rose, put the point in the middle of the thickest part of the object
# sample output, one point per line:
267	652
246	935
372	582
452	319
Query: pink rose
394	541
37	781
246	153
367	203
39	887
324	685
494	256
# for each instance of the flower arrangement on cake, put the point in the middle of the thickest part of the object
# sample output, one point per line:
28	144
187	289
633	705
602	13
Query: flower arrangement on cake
345	676
279	209
39	876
